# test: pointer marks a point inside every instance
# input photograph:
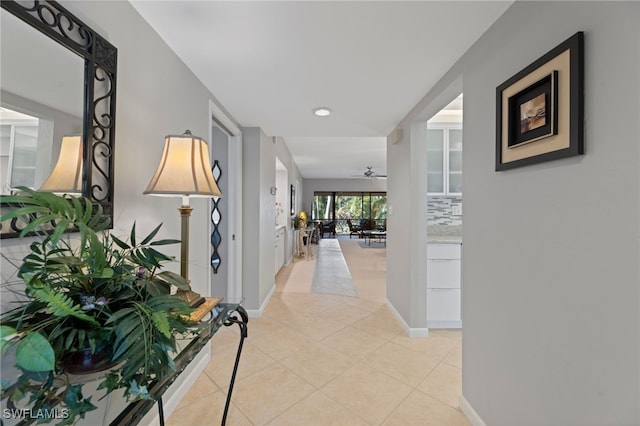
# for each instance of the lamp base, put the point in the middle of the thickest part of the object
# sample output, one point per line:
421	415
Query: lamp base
191	297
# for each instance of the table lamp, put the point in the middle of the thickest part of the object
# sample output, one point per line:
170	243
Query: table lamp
66	176
184	171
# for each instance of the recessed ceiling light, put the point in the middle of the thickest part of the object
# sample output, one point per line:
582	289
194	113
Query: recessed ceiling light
322	111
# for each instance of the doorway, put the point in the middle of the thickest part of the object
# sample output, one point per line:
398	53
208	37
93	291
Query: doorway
225	224
444	217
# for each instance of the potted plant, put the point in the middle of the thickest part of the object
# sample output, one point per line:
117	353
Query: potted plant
300	220
94	302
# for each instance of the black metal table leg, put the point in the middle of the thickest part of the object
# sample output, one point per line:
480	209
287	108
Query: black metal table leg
242	323
161	411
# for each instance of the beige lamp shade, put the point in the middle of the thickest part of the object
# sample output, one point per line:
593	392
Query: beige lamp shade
66	176
184	169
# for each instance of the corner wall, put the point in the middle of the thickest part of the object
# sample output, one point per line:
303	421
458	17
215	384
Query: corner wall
551	254
551	277
259	175
258	217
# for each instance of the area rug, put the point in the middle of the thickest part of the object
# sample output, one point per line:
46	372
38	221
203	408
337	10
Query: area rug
331	274
373	244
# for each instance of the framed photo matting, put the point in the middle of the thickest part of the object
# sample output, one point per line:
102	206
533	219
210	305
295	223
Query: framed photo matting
540	110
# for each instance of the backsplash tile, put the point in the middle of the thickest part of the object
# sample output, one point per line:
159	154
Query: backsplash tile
444	210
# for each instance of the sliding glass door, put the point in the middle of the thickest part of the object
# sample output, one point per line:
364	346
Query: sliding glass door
354	206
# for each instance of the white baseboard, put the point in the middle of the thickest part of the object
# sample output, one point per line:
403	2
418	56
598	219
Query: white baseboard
444	324
411	332
471	414
257	313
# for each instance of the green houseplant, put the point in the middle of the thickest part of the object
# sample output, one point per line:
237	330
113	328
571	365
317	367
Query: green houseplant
92	301
299	220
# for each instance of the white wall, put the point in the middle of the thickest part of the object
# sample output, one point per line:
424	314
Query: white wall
258	248
551	254
258	218
294	178
282	197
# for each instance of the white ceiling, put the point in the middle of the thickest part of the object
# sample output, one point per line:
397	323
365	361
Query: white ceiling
270	63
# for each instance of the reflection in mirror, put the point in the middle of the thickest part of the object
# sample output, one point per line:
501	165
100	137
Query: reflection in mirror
40	69
40	102
66	176
18	150
59	71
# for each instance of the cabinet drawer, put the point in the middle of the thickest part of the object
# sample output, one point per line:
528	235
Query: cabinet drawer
443	251
443	304
443	273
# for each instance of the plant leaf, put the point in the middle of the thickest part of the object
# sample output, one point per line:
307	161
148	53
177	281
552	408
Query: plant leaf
21	211
88	211
78	210
136	391
160	321
6	335
106	273
151	235
61	305
37	222
34	353
132	238
173	279
164	242
61	226
75	402
120	243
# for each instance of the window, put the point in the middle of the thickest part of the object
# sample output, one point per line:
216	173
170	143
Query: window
341	206
322	206
444	159
18	153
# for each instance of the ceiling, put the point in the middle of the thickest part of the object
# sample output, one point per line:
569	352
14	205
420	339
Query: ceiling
271	63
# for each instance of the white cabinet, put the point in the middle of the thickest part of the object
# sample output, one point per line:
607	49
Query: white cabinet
444	159
19	146
279	249
443	286
443	308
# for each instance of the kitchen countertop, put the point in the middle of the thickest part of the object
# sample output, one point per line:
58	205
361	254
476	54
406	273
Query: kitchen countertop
448	234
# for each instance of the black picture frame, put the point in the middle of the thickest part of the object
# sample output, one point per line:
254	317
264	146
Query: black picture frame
293	201
540	110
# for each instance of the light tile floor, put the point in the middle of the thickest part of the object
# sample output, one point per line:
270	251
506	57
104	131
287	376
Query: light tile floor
325	360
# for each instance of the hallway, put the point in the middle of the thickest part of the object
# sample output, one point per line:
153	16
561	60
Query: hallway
316	359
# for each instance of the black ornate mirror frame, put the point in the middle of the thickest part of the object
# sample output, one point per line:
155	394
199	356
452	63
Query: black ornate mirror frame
100	65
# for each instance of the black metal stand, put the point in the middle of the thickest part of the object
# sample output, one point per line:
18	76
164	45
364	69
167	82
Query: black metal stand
161	411
242	323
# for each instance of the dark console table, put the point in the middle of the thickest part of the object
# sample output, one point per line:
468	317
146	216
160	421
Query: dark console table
223	314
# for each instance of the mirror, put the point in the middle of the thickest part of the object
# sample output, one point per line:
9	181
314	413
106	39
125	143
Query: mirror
58	80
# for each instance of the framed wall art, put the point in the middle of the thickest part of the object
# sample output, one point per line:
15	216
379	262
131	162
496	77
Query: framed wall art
540	110
293	200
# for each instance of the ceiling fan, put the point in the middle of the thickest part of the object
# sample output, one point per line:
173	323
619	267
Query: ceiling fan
370	174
